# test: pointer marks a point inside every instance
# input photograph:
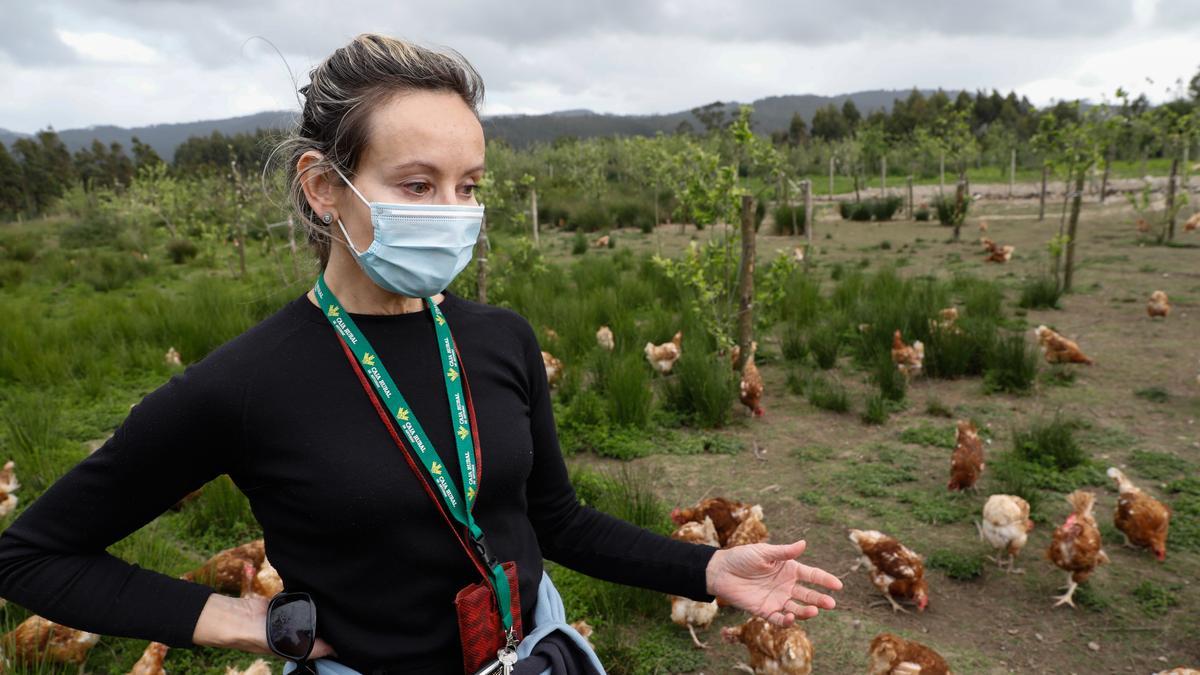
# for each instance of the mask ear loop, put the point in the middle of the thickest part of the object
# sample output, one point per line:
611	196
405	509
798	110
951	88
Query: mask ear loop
353	248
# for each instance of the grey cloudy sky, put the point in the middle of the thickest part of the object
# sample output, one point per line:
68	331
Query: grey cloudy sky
134	62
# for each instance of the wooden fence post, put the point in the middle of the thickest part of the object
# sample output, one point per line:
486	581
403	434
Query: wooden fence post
1171	198
534	211
883	177
808	223
1012	172
1042	198
746	283
942	174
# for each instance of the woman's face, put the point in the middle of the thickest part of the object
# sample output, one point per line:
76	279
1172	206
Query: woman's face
423	147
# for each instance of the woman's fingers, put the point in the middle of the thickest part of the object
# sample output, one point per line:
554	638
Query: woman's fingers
321	649
818	577
800	610
785	551
810	597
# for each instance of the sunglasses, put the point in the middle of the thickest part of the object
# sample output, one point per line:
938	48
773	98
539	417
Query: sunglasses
292	628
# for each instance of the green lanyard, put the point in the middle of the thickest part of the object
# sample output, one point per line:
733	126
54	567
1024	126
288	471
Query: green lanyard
393	400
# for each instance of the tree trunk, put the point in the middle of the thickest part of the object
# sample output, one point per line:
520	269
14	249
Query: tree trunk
533	211
831	162
942	175
808	223
883	176
746	283
856	196
242	246
482	246
910	197
1171	199
1108	158
1072	229
1042	195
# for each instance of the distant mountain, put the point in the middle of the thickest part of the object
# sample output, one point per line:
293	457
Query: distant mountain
164	138
770	114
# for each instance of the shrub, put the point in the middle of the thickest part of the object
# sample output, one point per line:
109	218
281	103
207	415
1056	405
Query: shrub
627	388
579	244
827	395
181	250
876	410
703	389
1049	443
634	213
845	209
553	215
825	341
591	218
888	377
109	270
792	344
862	211
783	219
1011	365
885	208
1040	293
947	209
921	214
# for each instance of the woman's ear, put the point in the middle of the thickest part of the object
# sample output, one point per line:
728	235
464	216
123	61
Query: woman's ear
319	190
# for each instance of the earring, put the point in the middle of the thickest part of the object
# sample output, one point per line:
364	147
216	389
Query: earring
327	218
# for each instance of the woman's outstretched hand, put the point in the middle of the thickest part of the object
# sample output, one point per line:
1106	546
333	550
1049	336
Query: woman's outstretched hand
766	580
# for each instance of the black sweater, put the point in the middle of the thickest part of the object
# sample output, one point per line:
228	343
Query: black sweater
279	409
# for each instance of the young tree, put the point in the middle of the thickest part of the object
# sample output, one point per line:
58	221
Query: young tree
12	198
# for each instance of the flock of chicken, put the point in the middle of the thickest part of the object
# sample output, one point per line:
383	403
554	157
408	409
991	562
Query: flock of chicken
662	359
243	571
898	572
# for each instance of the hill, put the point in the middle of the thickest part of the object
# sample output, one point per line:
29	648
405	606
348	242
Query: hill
770	114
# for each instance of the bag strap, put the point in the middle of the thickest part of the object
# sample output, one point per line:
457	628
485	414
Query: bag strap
408	457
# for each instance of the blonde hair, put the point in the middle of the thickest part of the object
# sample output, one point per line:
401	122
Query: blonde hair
342	92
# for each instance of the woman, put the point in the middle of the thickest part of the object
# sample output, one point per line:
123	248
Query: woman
383	168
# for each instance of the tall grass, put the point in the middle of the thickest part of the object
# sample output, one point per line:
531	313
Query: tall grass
1011	365
627	389
1040	293
1049	443
702	389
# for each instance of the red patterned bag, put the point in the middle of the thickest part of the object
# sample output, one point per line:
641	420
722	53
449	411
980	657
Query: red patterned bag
479	627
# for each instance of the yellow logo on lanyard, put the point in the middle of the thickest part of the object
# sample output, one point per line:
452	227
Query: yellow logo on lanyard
333	310
470	493
463	433
436	469
368	359
402	413
452	374
441	321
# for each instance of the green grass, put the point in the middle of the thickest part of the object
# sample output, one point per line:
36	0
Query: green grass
1011	365
935	408
827	394
1155	599
1049	443
1153	394
702	389
928	434
1158	465
1040	293
938	506
874	480
957	566
875	411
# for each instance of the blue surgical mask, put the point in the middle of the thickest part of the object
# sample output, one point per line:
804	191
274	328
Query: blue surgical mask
418	249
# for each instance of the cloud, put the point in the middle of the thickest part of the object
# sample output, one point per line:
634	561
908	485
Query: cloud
27	37
178	60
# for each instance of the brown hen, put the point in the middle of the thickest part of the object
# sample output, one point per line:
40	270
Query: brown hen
773	650
1075	548
894	568
1141	518
893	655
967	461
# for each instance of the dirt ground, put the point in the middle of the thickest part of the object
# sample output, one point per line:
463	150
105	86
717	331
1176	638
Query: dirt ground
998	623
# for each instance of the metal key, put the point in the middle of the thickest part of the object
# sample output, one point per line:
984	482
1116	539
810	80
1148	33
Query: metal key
508	659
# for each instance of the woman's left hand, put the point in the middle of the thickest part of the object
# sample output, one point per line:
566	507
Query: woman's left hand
766	580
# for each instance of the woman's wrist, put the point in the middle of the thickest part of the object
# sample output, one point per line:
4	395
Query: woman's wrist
233	623
712	571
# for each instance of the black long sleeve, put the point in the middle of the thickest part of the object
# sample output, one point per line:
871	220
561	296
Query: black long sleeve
280	410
